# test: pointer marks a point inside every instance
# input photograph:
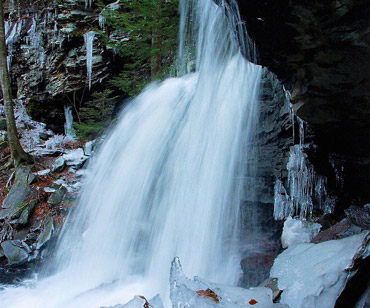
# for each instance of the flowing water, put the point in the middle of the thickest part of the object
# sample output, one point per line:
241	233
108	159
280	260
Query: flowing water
166	180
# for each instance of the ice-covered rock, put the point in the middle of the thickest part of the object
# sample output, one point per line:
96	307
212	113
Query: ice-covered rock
186	293
140	302
89	147
58	165
49	189
297	231
43	172
314	275
75	157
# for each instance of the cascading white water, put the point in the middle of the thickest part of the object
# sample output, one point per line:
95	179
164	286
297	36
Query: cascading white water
164	183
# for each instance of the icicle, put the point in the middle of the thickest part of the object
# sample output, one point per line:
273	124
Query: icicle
282	204
68	126
301	181
101	20
102	16
89	38
301	131
290	108
88	3
34	39
14	32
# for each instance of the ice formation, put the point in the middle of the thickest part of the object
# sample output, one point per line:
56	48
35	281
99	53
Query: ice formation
186	293
88	3
110	7
314	275
297	231
89	39
34	40
68	126
12	33
306	190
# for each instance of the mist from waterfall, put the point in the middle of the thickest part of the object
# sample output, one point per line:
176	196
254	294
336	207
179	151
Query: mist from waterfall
165	182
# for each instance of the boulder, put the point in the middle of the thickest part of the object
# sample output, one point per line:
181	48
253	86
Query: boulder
22	235
57	196
359	216
46	233
89	147
314	275
15	251
17	195
75	158
340	230
25	215
24	175
58	165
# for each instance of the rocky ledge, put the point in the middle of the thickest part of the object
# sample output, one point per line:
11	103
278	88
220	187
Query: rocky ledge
320	51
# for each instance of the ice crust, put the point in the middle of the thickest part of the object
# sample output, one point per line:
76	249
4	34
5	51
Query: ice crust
314	275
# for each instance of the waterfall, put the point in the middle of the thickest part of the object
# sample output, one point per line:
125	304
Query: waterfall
165	182
89	39
68	125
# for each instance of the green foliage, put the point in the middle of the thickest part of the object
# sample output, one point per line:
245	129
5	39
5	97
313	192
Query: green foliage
144	32
95	115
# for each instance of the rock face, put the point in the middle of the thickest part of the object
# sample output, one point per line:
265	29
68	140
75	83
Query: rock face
266	161
48	57
15	251
320	51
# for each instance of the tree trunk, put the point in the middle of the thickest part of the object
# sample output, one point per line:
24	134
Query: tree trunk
18	155
155	60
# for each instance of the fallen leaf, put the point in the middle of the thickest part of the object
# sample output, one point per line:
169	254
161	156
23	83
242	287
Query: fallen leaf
209	293
146	304
252	302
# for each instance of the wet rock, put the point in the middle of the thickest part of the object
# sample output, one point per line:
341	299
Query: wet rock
21	235
25	215
57	196
46	234
359	216
272	283
15	251
13	211
36	225
24	175
299	42
58	165
340	230
17	195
